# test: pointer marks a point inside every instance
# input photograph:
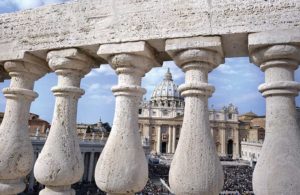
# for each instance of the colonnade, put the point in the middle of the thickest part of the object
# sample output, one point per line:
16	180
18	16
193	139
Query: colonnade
122	166
171	144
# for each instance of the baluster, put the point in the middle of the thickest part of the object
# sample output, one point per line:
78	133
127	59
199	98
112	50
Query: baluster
196	168
16	156
60	163
122	167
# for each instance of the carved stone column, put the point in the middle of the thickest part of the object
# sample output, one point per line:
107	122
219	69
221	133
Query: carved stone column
122	166
158	140
60	163
170	139
223	142
16	156
196	168
174	139
91	166
278	168
236	144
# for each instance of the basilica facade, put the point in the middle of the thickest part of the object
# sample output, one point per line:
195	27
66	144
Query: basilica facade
160	121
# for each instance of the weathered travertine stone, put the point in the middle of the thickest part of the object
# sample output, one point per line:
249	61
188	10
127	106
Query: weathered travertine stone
16	156
88	23
196	168
60	163
278	167
122	166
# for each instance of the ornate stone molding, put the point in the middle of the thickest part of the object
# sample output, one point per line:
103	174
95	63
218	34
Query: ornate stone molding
16	149
60	163
196	168
122	166
277	170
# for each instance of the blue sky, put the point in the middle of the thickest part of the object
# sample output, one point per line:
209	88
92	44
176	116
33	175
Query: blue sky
236	82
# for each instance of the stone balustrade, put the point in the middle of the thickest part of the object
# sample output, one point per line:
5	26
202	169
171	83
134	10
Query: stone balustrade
197	36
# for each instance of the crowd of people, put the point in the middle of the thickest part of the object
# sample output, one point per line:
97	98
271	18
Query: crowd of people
238	178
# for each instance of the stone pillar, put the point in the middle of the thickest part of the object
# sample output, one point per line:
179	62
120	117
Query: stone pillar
60	163
170	139
174	139
84	164
223	142
91	167
236	144
86	167
158	140
277	170
16	156
122	166
196	168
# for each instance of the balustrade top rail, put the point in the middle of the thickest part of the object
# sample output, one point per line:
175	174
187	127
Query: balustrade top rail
87	23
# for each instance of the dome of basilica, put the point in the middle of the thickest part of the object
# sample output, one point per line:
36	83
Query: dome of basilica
167	89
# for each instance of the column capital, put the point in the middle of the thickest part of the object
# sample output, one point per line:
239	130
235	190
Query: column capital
280	45
196	56
72	59
23	74
31	65
206	50
278	55
72	65
130	56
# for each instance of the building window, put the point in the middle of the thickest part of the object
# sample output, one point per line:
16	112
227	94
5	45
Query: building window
230	116
140	111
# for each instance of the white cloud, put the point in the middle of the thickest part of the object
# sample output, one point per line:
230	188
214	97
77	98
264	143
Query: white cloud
107	99
103	70
246	98
93	87
98	88
227	69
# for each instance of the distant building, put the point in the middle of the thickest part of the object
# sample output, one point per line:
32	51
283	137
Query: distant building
97	130
252	127
252	133
250	151
35	122
160	121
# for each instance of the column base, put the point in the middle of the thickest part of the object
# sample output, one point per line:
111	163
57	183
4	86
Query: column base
57	190
11	187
